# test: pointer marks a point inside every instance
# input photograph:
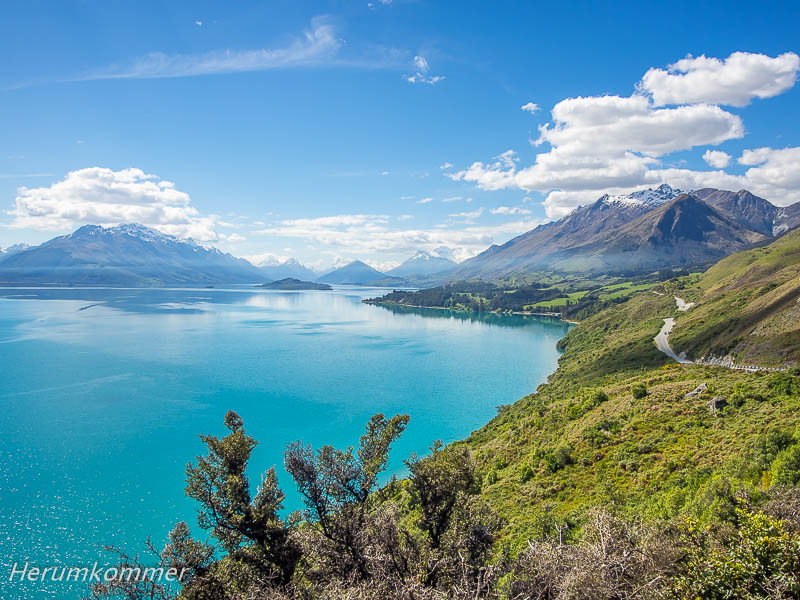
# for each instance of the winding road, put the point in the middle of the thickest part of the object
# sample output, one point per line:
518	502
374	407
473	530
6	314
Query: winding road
662	342
662	339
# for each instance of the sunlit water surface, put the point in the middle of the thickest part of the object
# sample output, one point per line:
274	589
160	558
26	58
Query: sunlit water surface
104	392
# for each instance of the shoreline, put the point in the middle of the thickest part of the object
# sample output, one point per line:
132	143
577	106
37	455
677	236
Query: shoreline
525	313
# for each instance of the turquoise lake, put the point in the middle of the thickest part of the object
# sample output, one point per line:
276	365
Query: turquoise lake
104	392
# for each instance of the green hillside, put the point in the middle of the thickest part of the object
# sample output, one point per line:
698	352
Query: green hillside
584	439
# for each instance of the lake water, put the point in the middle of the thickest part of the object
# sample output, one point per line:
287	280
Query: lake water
104	392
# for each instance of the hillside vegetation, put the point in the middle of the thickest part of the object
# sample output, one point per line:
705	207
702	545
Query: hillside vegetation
614	425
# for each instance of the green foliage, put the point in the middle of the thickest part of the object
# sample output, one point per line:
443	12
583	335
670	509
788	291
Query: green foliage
786	466
639	390
761	561
243	525
783	384
438	482
558	458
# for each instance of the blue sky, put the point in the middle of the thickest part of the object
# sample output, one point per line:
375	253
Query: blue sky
339	130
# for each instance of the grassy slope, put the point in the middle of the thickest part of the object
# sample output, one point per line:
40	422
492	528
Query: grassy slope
561	450
748	306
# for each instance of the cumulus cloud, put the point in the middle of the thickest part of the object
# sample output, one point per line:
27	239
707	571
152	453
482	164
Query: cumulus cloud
615	144
717	158
446	165
423	74
734	81
754	157
530	107
101	196
601	143
614	125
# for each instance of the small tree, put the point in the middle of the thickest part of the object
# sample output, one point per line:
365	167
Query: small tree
246	527
336	487
438	482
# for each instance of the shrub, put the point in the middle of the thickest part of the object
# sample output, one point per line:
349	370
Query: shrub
786	467
783	384
558	458
526	473
491	477
639	390
761	561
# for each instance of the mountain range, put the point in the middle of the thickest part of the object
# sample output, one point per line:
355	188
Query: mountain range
647	230
639	232
125	255
287	269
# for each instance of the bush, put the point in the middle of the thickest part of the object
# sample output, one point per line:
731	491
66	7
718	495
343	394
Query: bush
558	459
526	473
761	561
639	390
783	384
786	467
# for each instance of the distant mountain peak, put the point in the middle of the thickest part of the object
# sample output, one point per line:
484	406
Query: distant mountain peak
355	272
134	230
425	263
649	197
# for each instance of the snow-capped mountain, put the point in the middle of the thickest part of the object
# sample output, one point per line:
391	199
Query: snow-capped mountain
424	263
649	197
129	254
275	268
11	250
646	230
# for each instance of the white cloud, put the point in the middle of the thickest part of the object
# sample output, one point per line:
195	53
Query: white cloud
616	144
446	165
717	158
754	157
733	81
530	107
422	74
613	125
507	158
425	200
467	217
359	236
510	210
405	217
452	199
104	197
235	237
